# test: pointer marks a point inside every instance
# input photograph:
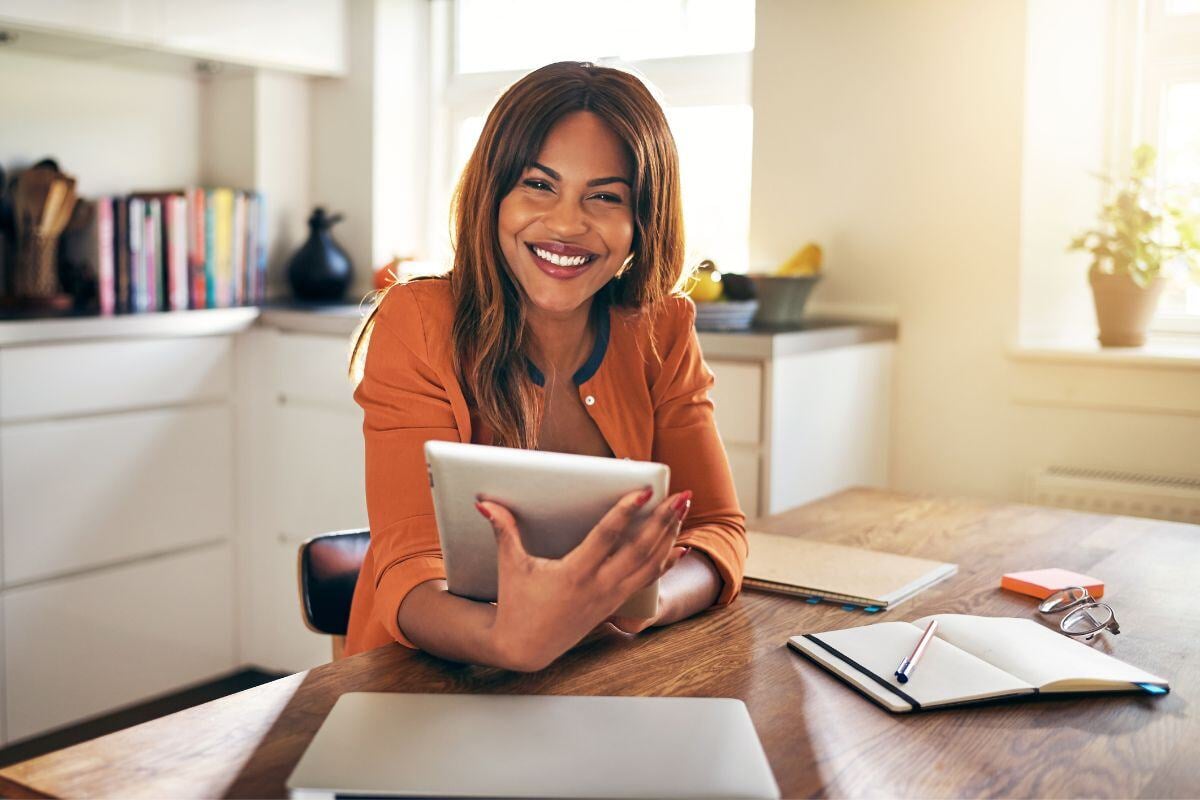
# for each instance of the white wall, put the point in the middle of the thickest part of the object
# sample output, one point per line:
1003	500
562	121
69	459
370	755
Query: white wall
342	130
370	136
255	130
894	134
115	129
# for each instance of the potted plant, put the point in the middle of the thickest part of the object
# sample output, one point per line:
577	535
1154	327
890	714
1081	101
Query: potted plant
1139	233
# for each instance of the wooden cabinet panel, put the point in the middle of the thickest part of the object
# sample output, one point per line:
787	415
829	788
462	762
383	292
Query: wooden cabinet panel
96	377
84	645
78	493
737	401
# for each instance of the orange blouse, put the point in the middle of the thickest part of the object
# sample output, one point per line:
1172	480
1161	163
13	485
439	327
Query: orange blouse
647	407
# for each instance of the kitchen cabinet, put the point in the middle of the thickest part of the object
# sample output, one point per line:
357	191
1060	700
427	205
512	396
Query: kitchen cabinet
117	512
272	34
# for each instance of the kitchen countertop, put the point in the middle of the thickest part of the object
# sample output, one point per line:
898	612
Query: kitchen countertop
757	344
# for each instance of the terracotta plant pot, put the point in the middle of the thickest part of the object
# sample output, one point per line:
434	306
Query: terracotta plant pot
1123	309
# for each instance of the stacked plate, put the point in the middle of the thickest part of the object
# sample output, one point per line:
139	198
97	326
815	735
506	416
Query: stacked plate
728	315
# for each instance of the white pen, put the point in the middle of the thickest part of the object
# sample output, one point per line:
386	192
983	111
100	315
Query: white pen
909	664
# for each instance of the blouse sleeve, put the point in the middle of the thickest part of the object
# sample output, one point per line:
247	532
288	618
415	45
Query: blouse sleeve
404	405
686	440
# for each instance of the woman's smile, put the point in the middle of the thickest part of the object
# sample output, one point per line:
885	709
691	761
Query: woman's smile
561	261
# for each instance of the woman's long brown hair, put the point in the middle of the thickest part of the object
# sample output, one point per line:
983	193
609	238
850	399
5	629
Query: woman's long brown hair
490	334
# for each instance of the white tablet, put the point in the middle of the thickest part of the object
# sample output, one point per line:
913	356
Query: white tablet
556	498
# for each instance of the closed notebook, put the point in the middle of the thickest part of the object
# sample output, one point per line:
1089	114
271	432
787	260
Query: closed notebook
969	660
806	568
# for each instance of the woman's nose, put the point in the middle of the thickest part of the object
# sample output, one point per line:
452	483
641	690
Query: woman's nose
566	218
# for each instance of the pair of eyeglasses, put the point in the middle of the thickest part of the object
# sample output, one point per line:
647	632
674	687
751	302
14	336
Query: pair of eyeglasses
1087	618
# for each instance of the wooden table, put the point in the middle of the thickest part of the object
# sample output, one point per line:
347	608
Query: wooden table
821	738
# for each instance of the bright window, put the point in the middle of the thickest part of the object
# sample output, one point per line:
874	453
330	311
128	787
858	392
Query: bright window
695	53
1170	119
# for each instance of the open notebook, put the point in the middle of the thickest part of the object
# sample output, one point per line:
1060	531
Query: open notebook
970	659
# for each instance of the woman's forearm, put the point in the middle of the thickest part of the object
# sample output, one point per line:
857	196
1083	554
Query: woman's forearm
688	588
449	626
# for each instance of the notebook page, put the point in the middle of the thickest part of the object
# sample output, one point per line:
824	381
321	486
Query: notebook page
1037	654
944	675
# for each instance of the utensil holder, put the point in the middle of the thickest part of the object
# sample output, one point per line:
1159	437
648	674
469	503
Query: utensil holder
35	273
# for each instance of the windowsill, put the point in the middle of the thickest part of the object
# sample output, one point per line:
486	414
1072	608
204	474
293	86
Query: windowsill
1163	377
1169	351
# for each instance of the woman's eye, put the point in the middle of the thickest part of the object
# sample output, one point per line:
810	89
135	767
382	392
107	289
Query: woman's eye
610	198
534	183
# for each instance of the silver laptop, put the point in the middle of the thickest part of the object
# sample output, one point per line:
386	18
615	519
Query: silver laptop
556	498
455	745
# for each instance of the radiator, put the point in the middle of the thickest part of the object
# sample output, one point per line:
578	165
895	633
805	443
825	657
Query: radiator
1111	492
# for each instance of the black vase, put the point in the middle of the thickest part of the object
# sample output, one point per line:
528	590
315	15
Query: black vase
320	271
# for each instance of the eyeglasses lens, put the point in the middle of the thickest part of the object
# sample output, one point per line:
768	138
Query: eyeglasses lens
1088	619
1064	599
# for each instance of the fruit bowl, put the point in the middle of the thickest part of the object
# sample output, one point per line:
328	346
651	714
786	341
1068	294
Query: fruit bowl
781	299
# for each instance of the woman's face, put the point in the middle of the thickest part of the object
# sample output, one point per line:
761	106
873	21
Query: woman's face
567	226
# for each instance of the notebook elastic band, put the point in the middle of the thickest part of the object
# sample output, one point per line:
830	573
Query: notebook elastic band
833	651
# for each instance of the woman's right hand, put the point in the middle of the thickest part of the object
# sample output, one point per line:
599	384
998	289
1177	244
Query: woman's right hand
545	606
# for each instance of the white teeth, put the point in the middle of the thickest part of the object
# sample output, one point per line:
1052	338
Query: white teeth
562	261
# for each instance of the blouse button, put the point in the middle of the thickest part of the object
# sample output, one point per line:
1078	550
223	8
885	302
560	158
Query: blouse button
591	401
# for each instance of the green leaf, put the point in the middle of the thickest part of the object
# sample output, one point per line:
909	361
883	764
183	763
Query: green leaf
1143	160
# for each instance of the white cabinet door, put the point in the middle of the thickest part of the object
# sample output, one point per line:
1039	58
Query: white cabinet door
58	380
318	469
744	464
80	646
831	421
737	401
320	483
308	36
78	493
312	370
126	21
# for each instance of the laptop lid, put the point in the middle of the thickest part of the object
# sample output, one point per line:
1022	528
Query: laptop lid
447	745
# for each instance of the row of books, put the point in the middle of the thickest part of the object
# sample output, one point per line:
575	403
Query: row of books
178	250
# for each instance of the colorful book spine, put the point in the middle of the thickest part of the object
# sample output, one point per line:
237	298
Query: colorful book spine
105	257
237	294
137	235
154	255
261	249
251	243
196	247
177	269
210	249
121	253
223	201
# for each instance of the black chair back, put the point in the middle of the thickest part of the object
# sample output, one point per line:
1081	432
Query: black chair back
329	567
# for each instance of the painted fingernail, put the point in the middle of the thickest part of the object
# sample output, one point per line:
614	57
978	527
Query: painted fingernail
644	497
682	503
482	509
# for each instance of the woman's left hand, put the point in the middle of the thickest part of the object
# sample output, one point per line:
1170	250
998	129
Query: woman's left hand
638	624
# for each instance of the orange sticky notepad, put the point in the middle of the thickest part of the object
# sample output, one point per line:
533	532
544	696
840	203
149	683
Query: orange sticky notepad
1041	583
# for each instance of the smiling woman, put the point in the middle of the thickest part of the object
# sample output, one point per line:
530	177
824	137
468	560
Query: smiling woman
556	329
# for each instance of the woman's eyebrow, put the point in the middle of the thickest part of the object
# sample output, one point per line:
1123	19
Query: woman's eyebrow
593	182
